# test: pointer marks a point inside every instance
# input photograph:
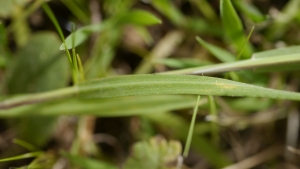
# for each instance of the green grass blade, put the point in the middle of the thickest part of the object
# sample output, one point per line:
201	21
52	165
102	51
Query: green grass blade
234	28
245	44
218	52
140	17
282	52
139	85
191	130
181	63
52	17
205	8
23	156
249	10
266	59
25	144
168	9
175	84
127	106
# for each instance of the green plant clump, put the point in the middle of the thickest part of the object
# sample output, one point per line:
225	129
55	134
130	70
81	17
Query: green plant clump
154	84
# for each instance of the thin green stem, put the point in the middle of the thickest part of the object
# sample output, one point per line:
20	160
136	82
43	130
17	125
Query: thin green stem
25	145
23	156
191	130
74	58
55	22
245	43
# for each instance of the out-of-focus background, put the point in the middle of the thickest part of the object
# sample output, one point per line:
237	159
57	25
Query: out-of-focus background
122	37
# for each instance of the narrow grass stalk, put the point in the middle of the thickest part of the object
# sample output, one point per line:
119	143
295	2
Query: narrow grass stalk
25	144
191	130
55	22
74	58
245	43
23	156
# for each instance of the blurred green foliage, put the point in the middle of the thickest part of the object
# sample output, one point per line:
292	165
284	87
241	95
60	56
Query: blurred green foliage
127	37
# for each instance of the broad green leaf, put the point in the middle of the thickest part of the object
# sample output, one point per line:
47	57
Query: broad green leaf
88	163
218	52
262	60
127	106
234	28
133	85
249	10
46	66
158	153
46	69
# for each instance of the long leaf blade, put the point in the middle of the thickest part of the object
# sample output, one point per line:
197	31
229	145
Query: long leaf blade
134	85
218	52
264	60
127	106
141	85
234	28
